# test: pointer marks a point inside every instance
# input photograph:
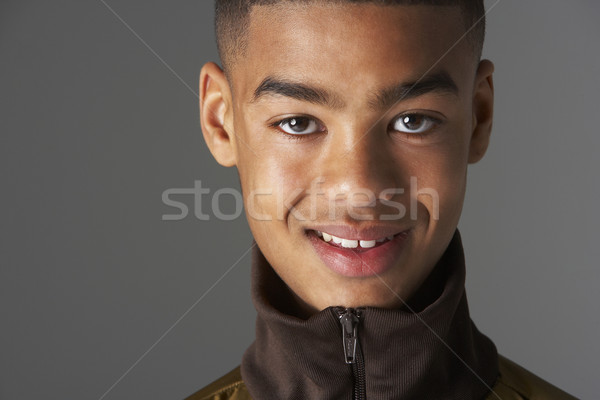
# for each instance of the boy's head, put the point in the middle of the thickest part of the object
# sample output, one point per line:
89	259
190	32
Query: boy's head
232	19
351	124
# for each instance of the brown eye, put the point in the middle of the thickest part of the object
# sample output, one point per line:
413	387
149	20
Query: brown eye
299	126
413	123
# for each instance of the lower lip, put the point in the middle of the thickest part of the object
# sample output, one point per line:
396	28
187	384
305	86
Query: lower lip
360	262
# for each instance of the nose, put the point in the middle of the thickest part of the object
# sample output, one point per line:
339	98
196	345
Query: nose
359	162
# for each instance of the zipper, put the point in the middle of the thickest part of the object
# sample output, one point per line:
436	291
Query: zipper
349	320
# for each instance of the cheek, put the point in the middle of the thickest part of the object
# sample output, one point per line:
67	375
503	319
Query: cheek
438	180
272	182
271	165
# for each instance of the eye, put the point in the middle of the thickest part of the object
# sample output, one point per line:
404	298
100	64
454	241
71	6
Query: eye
299	125
413	123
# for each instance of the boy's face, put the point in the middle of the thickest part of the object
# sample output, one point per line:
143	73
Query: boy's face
318	119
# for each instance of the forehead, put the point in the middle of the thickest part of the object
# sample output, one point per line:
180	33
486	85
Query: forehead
343	45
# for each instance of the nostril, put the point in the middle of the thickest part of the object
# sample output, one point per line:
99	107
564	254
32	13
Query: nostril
386	195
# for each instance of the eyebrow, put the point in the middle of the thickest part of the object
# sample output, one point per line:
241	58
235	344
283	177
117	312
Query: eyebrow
439	82
295	90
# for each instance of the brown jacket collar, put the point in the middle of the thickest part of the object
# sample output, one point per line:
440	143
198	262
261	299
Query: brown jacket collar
434	353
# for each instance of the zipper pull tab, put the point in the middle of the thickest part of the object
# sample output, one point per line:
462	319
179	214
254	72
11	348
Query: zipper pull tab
349	318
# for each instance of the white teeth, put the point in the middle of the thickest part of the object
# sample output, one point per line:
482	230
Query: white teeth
367	244
349	244
352	243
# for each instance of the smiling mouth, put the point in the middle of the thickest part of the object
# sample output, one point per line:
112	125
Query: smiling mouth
352	243
363	253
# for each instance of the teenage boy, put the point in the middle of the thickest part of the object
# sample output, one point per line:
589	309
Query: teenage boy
351	124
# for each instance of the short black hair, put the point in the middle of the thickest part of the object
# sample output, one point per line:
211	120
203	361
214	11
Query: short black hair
231	21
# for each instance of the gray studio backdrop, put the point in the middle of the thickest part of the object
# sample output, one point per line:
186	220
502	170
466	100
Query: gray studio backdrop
102	299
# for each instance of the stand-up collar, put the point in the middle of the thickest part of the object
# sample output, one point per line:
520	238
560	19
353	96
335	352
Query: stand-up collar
433	353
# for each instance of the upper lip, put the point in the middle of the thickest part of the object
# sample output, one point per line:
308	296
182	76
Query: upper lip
372	232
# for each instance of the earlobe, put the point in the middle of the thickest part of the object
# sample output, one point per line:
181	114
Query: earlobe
483	111
215	113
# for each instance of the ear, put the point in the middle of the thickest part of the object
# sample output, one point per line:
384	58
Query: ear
216	114
483	111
